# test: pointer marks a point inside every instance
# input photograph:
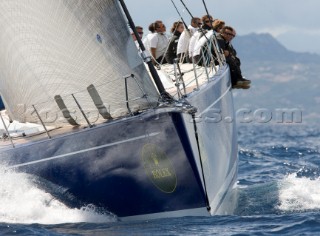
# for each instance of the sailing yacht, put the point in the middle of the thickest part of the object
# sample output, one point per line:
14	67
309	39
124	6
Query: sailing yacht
113	132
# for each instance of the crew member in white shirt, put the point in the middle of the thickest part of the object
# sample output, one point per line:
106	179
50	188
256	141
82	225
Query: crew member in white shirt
184	40
158	43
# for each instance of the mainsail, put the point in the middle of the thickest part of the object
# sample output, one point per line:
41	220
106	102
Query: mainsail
52	48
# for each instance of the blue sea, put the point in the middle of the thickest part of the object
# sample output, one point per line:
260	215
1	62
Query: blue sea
278	193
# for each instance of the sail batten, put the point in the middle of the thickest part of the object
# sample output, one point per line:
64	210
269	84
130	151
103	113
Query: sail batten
61	47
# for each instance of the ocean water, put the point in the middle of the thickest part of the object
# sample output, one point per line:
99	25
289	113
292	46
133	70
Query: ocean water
278	188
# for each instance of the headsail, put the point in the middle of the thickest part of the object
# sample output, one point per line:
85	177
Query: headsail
60	47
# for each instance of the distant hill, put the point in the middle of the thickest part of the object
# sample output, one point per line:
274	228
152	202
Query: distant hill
264	47
281	78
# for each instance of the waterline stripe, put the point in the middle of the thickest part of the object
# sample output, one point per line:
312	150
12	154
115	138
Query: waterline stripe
202	211
84	150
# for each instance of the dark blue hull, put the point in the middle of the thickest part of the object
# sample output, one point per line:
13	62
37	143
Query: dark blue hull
1	104
138	166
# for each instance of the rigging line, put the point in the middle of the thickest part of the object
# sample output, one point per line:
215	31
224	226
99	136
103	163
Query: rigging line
211	21
164	95
195	129
185	25
205	7
186	8
201	163
200	28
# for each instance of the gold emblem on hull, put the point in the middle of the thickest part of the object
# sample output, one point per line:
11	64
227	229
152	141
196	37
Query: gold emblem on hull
159	168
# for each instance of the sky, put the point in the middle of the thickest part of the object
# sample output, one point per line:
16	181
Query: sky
295	24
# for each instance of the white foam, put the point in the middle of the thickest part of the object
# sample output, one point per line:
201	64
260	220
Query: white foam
22	202
299	194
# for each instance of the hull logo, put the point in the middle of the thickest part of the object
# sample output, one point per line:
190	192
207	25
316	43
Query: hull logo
159	168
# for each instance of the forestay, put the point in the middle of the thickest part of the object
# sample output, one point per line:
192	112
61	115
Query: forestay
60	47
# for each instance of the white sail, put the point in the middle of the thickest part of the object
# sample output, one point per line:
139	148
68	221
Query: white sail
60	47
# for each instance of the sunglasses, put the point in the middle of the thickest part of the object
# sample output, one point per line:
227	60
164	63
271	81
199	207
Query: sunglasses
141	33
233	35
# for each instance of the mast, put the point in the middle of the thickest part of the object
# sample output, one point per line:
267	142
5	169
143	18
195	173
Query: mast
152	69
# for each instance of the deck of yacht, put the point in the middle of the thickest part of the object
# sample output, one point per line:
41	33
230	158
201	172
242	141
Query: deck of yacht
192	79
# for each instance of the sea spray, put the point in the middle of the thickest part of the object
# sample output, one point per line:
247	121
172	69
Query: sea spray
21	201
299	194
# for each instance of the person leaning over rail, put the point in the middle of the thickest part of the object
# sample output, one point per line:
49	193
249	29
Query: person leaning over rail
206	25
224	38
195	50
242	80
158	43
217	25
207	22
184	40
176	30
